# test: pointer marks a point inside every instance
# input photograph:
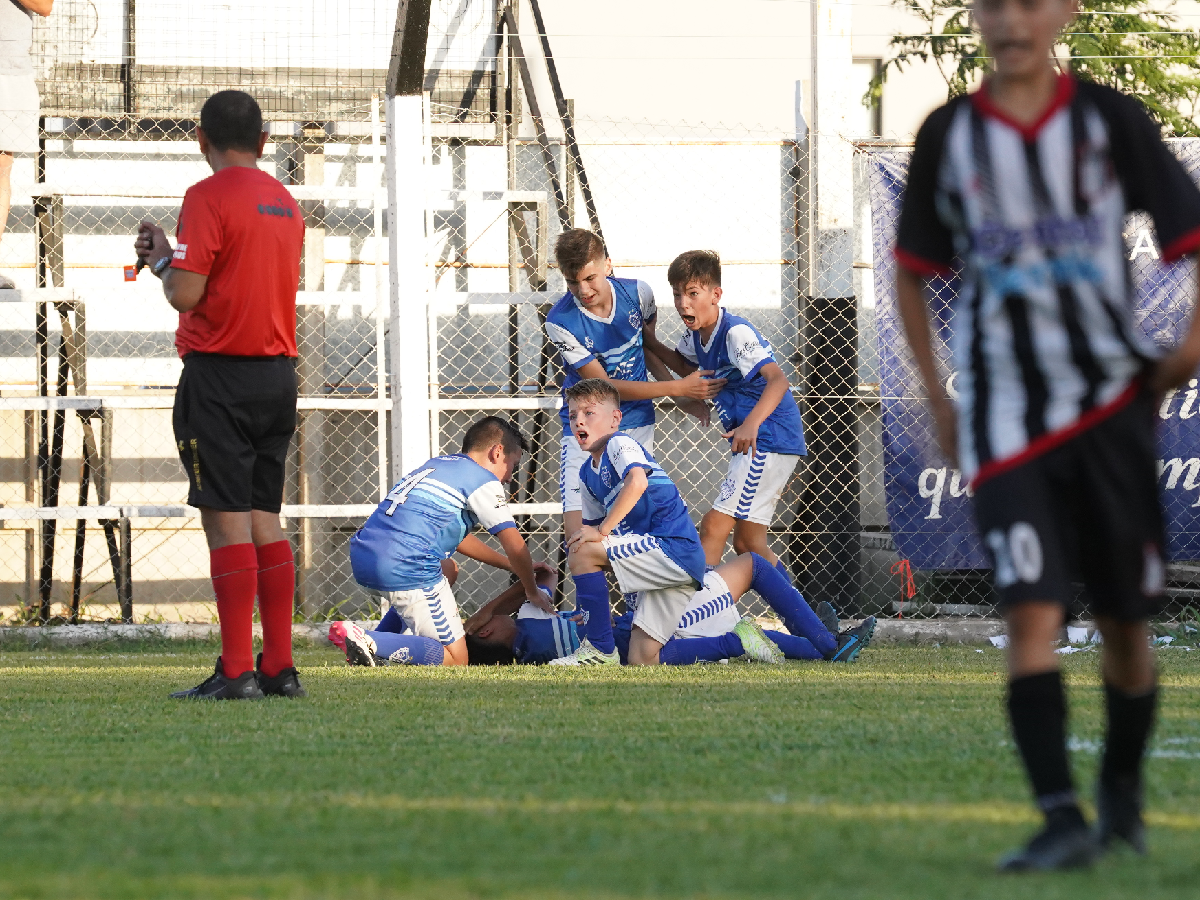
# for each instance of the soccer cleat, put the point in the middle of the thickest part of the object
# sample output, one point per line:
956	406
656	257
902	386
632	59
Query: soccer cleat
755	644
587	655
853	641
217	687
828	616
359	646
1119	815
284	684
1065	843
337	634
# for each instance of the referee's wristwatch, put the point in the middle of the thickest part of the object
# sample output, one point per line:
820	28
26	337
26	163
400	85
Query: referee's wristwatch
161	266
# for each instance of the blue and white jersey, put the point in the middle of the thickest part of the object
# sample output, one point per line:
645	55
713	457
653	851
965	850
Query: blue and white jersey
543	636
659	513
737	352
423	519
616	341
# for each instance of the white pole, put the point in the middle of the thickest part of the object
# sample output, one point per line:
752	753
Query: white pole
378	199
409	297
833	155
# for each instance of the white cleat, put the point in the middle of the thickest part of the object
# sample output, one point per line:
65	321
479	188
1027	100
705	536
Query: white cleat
587	655
755	643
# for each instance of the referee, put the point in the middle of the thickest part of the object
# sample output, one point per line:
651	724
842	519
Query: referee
233	276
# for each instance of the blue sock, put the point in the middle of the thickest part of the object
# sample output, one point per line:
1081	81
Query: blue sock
686	651
794	646
791	606
392	622
591	594
422	651
782	570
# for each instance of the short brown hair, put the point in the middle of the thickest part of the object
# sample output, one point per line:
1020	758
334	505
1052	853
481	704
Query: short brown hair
575	248
492	430
703	266
595	389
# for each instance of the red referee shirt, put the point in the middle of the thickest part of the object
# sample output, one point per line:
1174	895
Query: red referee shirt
242	229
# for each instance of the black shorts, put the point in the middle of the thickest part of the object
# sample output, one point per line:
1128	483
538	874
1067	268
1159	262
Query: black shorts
1086	511
234	418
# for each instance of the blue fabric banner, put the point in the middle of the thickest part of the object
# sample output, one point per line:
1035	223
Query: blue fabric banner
928	503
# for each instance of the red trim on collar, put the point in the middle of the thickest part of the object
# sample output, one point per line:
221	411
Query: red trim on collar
1063	94
1047	442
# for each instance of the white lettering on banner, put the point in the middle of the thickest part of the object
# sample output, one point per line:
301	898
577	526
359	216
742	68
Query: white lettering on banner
1187	409
932	486
1174	468
1143	243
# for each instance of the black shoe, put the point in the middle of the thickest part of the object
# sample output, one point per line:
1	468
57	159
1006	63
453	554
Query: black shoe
218	687
285	684
1065	843
852	641
828	616
1119	815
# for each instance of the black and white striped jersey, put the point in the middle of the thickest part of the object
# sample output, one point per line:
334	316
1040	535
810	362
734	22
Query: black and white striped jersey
1043	339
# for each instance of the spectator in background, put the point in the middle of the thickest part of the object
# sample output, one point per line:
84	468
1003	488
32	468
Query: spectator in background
18	95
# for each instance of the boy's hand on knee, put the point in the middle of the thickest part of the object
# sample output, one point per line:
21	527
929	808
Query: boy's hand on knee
588	534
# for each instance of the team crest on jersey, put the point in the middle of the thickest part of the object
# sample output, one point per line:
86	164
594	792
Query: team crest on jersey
727	487
587	342
402	657
605	476
635	318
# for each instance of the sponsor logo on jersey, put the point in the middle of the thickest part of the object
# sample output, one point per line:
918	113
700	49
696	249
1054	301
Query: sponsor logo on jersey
747	349
180	251
278	208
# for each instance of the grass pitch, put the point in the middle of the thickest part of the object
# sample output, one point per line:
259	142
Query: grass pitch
892	778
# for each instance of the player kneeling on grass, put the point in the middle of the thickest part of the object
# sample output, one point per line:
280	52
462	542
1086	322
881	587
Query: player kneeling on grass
635	524
429	515
756	407
1029	181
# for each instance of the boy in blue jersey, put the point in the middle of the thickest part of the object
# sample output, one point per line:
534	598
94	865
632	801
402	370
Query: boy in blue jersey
597	328
634	524
507	629
430	514
755	405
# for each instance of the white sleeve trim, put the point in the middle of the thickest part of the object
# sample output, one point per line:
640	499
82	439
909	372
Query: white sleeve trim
746	349
490	505
646	298
568	345
687	348
625	453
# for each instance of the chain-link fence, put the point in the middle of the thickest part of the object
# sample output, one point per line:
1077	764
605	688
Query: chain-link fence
872	521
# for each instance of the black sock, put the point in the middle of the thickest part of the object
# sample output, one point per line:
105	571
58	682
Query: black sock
1038	710
1130	721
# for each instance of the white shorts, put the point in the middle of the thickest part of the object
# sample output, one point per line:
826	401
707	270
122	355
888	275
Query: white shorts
429	612
571	457
663	587
711	611
754	484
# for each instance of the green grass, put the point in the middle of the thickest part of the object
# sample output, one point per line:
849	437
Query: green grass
890	778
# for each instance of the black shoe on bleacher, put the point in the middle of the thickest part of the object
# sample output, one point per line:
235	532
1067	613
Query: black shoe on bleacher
1065	843
1119	815
828	616
285	684
218	687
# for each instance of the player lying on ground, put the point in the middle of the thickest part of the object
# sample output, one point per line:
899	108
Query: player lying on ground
427	517
709	630
597	328
1029	181
757	410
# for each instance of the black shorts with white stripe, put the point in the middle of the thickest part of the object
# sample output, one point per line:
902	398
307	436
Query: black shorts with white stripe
1085	511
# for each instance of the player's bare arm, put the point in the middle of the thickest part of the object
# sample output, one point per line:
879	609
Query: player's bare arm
674	360
1180	364
521	565
510	600
697	408
182	288
914	313
697	385
636	482
38	7
473	548
745	436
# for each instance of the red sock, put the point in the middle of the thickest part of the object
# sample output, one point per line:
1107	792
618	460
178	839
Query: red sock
235	579
276	594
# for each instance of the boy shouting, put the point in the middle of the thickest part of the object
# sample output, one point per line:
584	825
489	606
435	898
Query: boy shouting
1028	181
634	523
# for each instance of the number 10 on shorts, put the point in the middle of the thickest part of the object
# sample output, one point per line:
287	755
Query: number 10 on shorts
1018	554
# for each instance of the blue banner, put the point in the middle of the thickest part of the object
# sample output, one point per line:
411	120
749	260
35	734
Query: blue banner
928	503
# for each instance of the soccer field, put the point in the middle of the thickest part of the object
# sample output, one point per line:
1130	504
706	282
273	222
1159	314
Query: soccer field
892	777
